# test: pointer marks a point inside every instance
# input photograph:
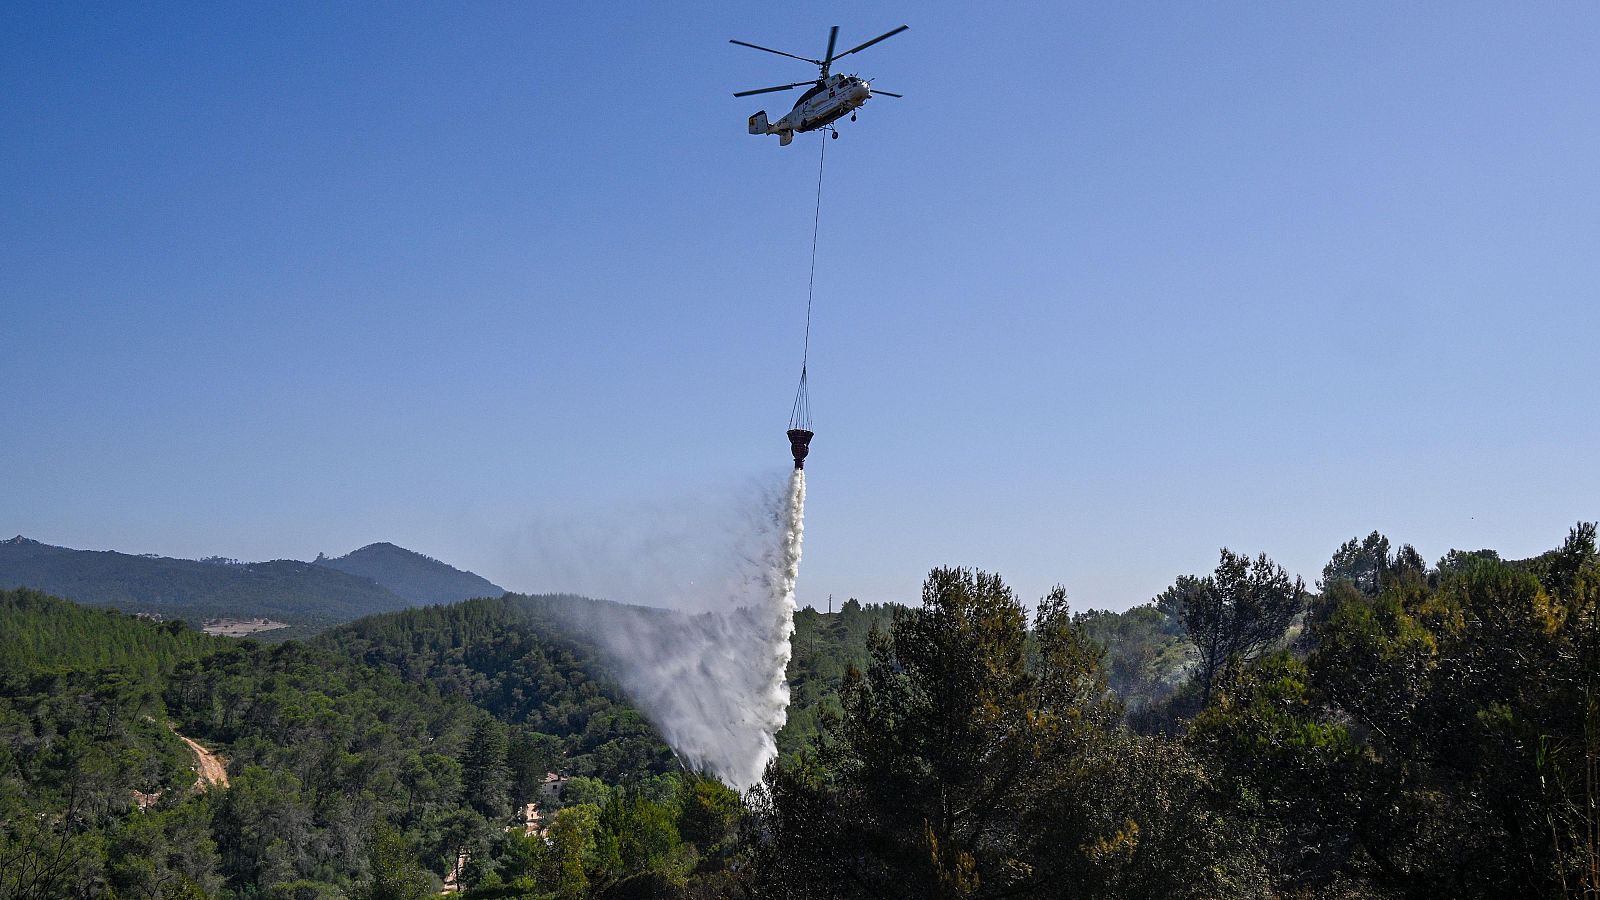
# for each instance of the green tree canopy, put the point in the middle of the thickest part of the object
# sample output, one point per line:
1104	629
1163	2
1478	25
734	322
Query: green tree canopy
1236	613
973	761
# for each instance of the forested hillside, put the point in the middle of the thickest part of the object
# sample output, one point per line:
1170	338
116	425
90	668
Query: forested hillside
419	579
513	657
41	631
344	779
317	747
518	657
1396	730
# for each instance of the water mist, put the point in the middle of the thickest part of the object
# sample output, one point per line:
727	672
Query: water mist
714	683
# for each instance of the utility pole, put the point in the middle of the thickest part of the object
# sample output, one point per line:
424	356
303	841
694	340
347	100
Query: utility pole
830	604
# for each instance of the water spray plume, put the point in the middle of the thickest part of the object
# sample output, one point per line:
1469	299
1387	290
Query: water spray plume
783	605
715	684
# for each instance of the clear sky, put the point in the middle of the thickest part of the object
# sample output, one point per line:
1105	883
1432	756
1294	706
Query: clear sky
1116	284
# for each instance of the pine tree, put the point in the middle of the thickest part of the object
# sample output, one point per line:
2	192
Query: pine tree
486	779
1235	614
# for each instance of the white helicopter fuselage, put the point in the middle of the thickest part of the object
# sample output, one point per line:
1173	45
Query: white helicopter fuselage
826	102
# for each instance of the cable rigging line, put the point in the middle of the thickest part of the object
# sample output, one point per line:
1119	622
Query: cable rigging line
800	416
816	223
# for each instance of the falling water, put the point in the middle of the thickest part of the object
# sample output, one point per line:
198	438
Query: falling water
714	684
782	610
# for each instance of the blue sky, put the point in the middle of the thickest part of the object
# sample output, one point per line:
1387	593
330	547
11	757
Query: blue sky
1114	286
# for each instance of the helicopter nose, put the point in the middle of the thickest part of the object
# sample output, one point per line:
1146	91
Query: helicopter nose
861	92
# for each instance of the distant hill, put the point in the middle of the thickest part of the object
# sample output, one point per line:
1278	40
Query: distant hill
299	593
421	580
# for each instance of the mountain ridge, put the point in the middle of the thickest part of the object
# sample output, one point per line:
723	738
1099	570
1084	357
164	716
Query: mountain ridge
417	577
378	578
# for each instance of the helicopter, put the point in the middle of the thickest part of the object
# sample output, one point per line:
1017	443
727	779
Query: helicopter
830	98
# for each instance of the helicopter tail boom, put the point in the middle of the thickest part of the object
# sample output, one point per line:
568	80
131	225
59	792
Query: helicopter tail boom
760	125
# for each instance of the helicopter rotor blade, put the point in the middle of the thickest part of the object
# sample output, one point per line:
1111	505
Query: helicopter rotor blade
876	92
882	37
781	87
827	59
815	62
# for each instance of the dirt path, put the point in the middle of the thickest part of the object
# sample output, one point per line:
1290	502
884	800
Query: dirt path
213	768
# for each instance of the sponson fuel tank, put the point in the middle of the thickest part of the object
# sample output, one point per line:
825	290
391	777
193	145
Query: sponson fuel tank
800	445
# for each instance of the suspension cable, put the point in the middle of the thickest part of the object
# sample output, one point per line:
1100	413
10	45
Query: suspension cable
816	223
800	415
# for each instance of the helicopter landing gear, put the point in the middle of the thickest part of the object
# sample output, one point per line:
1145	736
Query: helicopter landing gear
835	135
852	117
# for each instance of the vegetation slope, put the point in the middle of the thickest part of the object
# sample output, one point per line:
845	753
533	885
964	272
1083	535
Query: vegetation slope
1397	730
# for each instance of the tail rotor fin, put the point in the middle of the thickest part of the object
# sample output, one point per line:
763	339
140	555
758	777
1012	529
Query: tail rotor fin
760	125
